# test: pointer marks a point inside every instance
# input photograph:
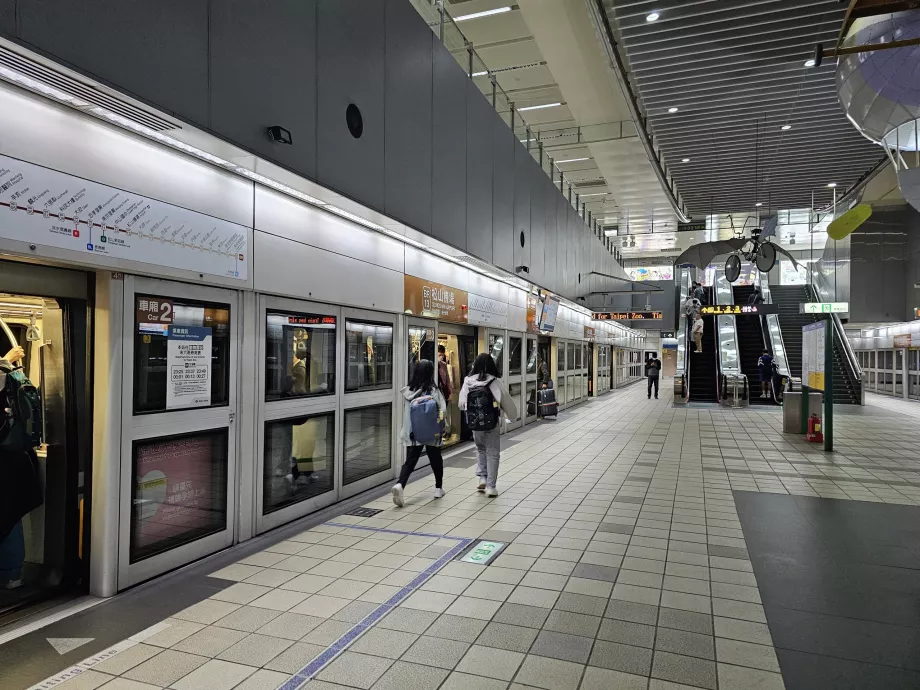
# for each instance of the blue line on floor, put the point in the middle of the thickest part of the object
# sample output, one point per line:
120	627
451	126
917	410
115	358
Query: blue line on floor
340	645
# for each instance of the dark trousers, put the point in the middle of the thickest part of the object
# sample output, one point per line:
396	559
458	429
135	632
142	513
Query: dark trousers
413	453
652	380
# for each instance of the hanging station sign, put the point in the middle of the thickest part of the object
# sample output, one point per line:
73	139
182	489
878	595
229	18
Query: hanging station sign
627	316
739	309
434	300
49	208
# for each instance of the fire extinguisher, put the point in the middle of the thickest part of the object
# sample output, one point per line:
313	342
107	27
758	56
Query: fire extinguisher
814	429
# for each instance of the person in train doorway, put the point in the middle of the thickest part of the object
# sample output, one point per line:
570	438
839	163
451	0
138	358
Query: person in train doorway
444	373
653	373
21	489
756	296
697	331
765	373
423	426
483	398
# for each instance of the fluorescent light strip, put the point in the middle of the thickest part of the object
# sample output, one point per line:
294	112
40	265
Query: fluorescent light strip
484	13
594	194
479	74
573	160
539	107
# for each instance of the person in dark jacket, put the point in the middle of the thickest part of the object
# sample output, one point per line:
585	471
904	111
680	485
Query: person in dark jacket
653	373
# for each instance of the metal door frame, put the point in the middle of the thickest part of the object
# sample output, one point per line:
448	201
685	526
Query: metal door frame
530	378
165	424
516	379
407	323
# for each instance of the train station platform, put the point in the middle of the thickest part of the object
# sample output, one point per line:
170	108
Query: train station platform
647	546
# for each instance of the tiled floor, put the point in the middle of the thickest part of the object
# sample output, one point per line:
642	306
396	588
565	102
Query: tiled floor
627	566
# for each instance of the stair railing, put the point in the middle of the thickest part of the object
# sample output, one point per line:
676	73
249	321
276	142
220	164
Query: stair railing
819	291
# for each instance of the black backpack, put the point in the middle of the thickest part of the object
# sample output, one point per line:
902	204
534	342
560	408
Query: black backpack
20	411
481	409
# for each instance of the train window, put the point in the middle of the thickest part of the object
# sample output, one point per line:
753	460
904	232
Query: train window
369	363
299	355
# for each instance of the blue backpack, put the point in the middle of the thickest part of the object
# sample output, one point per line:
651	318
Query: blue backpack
426	425
20	411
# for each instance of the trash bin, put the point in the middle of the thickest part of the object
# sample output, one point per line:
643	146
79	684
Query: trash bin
792	410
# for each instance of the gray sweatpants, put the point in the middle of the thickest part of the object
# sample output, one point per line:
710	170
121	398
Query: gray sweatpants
488	445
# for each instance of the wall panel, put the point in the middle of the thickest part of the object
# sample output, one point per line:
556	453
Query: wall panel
8	17
503	196
249	46
157	51
522	181
350	70
408	116
538	182
480	120
550	207
448	181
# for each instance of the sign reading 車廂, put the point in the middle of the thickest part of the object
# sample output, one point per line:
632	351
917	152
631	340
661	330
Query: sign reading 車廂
824	308
153	310
483	552
188	363
434	300
627	316
738	309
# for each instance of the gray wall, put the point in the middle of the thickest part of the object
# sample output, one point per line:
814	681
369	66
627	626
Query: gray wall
433	154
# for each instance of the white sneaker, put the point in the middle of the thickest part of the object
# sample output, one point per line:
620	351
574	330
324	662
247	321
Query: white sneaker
763	395
439	493
13	584
492	493
482	485
397	492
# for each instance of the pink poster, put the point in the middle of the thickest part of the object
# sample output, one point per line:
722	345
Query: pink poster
178	496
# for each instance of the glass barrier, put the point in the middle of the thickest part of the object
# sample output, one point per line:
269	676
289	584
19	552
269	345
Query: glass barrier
682	323
727	329
773	330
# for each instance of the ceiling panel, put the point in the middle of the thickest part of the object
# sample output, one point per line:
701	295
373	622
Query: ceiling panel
735	71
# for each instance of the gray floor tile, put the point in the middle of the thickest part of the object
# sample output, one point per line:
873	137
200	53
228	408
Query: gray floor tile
549	674
615	527
327	632
255	650
625	632
492	663
215	675
165	668
356	670
562	646
465	681
295	657
740	678
514	638
686	643
355	612
581	603
209	642
631	611
263	679
406	676
382	642
684	669
247	618
520	614
572	623
460	628
408	620
605	679
691	621
727	552
436	651
621	657
291	626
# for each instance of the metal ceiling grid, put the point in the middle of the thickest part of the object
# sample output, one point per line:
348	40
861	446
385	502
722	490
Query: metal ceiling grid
735	71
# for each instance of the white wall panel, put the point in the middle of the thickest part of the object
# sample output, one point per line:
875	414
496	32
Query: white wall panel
430	267
36	130
487	287
517	318
286	217
517	297
288	268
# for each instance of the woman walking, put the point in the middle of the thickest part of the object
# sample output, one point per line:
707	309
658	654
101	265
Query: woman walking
422	427
482	396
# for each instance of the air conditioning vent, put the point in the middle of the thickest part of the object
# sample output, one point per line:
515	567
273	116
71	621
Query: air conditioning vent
50	77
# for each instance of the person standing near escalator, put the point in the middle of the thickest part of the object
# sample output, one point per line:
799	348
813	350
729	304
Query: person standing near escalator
653	373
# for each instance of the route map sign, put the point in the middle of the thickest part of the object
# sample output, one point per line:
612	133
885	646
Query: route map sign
739	309
627	316
50	208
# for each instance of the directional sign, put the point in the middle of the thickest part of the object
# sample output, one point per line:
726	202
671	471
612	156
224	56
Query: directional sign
739	309
627	316
824	308
483	552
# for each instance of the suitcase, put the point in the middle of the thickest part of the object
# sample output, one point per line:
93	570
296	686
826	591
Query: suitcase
546	403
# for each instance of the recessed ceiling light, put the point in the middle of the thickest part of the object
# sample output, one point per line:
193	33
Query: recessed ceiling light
809	62
684	160
785	127
485	13
672	110
595	194
539	107
652	17
831	184
479	74
759	203
573	160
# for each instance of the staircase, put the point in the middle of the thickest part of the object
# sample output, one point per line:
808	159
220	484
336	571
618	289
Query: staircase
788	298
750	345
704	374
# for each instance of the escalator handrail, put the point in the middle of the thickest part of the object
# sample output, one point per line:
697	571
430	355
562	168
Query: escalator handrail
717	350
775	335
682	331
730	325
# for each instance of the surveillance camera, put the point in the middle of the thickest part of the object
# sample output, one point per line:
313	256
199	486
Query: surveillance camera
280	135
522	269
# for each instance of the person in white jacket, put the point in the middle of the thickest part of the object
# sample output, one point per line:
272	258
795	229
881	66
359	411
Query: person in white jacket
488	444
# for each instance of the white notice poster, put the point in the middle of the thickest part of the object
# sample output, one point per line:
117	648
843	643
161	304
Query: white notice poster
188	363
46	207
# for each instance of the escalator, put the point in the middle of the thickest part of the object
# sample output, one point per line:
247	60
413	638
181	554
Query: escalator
788	298
703	366
751	344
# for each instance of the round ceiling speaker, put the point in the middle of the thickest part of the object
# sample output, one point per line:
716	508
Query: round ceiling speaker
766	257
732	268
